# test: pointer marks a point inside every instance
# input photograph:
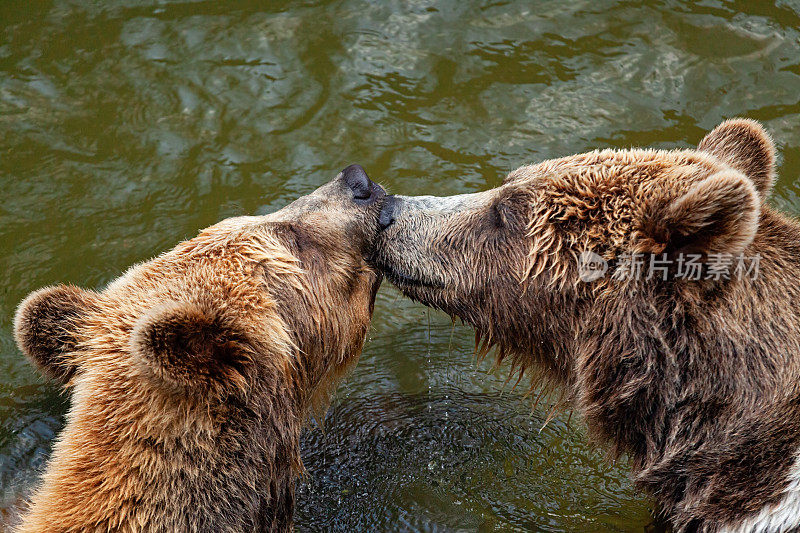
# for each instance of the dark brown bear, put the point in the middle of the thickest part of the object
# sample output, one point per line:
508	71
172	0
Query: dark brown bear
192	374
696	378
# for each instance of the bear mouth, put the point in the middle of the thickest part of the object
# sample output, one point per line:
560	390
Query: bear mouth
402	279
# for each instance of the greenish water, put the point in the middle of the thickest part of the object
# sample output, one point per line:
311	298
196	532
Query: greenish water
126	126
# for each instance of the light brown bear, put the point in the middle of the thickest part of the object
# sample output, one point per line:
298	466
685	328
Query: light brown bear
192	374
695	377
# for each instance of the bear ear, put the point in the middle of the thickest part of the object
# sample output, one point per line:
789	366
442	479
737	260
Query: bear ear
46	326
718	215
192	347
746	146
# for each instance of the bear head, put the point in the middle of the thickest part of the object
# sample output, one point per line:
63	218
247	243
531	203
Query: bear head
508	260
191	374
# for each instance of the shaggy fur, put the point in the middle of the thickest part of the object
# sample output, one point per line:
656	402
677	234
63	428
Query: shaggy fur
698	381
192	374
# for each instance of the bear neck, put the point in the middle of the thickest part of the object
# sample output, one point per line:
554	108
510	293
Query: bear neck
698	385
126	458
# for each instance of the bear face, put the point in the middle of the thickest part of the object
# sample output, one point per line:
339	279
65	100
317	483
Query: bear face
192	373
506	260
694	377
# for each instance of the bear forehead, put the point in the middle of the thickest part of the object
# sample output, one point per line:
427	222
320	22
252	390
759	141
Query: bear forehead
596	198
600	170
233	268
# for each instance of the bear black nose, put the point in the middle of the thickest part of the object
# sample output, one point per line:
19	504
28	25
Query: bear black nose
364	190
386	217
358	181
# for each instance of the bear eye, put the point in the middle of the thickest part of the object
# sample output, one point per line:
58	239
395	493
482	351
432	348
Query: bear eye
509	211
295	237
306	245
303	239
498	216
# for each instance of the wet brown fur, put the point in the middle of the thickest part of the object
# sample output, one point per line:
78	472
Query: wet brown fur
192	374
697	381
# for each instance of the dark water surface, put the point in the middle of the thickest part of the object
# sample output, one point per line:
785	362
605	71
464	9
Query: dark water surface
126	126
